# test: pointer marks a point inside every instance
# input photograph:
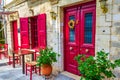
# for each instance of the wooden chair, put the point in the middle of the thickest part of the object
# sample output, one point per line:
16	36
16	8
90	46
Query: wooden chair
4	50
17	58
31	66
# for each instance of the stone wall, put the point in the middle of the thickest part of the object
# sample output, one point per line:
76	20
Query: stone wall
107	26
108	31
115	38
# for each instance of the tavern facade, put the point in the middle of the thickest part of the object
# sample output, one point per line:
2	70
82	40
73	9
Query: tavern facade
70	27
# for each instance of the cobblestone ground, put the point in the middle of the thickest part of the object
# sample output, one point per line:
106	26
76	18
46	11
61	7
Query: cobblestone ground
9	73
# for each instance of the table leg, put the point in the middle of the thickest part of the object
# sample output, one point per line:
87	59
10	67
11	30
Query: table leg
33	57
13	60
0	56
23	64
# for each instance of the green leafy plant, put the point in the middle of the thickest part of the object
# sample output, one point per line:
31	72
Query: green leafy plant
2	41
96	68
47	56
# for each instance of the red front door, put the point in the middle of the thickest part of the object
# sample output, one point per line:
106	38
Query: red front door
79	34
15	35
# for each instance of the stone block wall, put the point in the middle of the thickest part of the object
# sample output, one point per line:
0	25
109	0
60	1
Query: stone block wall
108	31
107	26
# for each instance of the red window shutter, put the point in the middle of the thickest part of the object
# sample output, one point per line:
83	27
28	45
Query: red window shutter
41	30
24	32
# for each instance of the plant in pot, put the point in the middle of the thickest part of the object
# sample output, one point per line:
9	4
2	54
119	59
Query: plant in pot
96	68
46	59
2	47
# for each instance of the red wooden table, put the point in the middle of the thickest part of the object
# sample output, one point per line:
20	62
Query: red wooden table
22	53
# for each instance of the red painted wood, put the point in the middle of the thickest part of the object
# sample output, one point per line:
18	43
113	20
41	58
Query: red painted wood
15	34
41	23
24	30
70	63
84	46
78	46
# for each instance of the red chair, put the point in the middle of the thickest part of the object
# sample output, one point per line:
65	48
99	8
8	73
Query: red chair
31	66
4	50
17	58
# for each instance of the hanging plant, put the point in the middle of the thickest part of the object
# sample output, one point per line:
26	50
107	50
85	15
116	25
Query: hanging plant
71	24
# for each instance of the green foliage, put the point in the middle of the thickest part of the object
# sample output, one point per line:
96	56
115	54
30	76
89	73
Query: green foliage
96	68
47	56
2	41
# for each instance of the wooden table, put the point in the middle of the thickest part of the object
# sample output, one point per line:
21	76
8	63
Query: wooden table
22	53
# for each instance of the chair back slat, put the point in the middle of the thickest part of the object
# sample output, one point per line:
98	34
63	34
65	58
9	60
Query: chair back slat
36	53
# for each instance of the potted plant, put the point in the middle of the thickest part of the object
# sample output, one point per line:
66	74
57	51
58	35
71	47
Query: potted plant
96	68
45	60
2	47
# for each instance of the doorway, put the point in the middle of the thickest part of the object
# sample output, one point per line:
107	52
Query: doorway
15	34
79	34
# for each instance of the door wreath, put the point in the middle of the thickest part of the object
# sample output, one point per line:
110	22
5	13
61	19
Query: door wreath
71	24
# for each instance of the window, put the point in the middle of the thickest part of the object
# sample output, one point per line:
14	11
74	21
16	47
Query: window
88	28
72	30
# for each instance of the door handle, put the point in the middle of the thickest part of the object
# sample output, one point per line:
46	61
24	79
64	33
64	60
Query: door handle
86	50
77	21
71	48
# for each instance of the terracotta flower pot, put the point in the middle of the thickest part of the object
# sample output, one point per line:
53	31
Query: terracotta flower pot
46	69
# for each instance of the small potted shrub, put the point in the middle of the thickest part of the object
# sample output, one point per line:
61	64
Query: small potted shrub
96	68
45	60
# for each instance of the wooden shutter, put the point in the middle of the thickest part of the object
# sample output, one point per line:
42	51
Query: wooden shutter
41	30
24	32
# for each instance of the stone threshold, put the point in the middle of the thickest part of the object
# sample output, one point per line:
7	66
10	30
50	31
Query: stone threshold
76	77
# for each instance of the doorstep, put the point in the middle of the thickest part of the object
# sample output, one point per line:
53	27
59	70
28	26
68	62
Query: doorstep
76	77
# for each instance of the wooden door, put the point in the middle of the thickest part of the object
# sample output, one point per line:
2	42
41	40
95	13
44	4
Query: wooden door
71	40
41	25
87	45
24	30
79	34
15	34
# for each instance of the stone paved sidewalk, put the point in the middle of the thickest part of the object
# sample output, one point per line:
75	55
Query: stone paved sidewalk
9	73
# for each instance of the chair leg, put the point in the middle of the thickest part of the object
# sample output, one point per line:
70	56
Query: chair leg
0	56
30	72
35	69
26	69
16	60
5	55
39	70
9	60
19	60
